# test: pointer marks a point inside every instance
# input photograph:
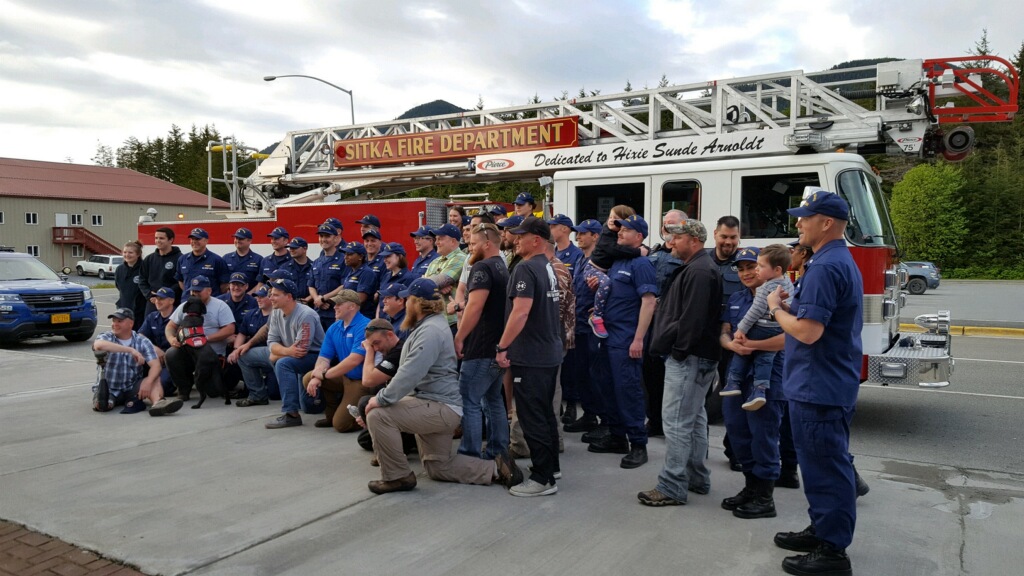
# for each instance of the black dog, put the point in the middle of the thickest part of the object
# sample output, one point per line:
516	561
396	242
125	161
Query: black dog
193	338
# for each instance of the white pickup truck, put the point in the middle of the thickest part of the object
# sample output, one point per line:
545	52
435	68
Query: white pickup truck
102	265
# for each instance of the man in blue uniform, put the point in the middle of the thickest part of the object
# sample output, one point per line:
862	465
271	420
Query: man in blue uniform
300	266
250	336
279	256
373	245
628	313
360	278
424	241
201	262
821	378
243	259
154	328
327	274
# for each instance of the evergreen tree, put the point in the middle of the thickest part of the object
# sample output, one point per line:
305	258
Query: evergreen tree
928	215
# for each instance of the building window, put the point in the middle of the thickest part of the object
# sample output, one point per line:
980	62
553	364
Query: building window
1	217
97	219
33	250
76	219
31	218
77	251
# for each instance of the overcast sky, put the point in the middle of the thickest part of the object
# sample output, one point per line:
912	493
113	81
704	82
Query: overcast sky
74	72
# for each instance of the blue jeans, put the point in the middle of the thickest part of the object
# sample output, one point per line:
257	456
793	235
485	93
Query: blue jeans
760	362
289	373
686	425
257	371
480	386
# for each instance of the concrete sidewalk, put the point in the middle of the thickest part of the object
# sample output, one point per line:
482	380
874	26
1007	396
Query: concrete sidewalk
211	491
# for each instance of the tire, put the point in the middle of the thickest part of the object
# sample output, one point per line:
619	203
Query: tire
917	286
79	270
102	275
78	336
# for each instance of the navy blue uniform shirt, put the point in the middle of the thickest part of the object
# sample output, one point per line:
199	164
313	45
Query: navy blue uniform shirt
630	280
736	309
364	281
209	264
154	328
238	309
572	257
252	321
584	298
301	272
273	262
419	266
327	274
249	265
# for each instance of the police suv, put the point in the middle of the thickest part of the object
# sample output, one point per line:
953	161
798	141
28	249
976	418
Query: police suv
35	301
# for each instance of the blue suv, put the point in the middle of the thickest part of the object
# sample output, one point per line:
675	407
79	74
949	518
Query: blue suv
35	301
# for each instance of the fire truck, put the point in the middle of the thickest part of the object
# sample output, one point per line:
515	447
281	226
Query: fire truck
744	146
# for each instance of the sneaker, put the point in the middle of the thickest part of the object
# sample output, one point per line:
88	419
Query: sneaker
284	421
731	389
530	488
597	325
822	560
756	399
509	474
654	497
165	406
385	486
803	541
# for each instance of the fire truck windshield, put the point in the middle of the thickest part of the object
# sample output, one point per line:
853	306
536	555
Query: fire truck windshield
869	218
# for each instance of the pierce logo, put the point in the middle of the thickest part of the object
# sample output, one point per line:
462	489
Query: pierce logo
495	165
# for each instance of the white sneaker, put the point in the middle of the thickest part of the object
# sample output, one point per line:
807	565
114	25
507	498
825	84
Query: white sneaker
531	488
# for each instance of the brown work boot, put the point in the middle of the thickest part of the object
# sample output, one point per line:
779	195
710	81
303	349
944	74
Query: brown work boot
400	485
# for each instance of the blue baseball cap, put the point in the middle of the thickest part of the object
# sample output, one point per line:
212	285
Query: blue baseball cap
421	288
326	229
199	282
466	220
447	230
199	233
392	248
747	255
261	293
286	284
371	232
421	231
165	292
281	274
561	219
498	211
239	278
525	198
335	223
279	232
133	405
355	248
243	233
370	220
822	202
634	222
589	225
298	242
510	222
393	289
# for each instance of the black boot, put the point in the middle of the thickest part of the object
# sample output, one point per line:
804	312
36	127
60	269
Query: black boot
586	423
636	458
788	478
862	486
744	495
610	444
805	540
569	415
599	432
824	560
762	505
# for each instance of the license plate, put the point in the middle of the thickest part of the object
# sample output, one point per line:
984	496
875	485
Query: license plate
60	318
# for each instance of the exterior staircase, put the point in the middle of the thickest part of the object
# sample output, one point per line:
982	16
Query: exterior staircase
88	240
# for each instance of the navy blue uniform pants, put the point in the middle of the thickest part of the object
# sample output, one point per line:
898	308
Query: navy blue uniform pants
628	391
821	435
589	374
754	435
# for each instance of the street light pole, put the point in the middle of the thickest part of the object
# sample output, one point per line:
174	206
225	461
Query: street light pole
352	102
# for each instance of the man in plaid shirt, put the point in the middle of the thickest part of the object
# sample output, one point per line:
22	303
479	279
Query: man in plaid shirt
128	355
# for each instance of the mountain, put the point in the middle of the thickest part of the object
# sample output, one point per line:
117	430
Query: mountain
435	108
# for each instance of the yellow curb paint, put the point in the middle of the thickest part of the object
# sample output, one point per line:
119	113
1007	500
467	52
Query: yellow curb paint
971	330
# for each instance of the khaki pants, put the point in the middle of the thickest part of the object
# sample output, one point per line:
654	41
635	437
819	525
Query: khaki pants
433	423
336	411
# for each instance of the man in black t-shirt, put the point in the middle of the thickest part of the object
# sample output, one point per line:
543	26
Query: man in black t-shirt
531	346
475	342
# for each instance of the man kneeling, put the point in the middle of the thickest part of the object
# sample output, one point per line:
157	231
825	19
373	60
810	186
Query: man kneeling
423	399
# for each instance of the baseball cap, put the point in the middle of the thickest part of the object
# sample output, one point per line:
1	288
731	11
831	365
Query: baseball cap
285	284
392	248
354	248
392	289
525	198
498	211
690	227
447	230
199	282
510	222
298	242
466	220
199	233
327	229
345	296
133	405
279	232
533	225
261	293
371	232
794	243
379	325
821	202
421	232
561	219
280	274
335	223
122	314
634	222
589	225
164	292
369	219
239	278
243	233
747	255
424	288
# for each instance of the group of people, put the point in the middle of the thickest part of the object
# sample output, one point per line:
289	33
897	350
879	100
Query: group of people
503	328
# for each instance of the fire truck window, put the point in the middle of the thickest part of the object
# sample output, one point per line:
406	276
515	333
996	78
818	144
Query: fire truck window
765	199
681	195
598	200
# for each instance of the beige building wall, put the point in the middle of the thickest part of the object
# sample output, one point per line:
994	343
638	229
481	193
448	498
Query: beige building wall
115	222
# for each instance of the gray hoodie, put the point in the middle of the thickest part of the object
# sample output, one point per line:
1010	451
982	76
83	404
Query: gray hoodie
428	368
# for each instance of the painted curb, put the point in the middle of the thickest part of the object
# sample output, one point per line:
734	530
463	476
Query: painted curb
972	330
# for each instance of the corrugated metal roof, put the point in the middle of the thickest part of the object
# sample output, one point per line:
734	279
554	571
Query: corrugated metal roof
35	179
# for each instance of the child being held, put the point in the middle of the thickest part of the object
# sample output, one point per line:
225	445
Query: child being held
606	252
758	324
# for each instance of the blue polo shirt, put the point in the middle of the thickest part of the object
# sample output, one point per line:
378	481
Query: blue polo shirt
735	310
154	327
584	298
273	262
238	309
630	279
831	291
341	340
364	281
248	265
252	321
572	257
209	264
419	266
327	274
301	272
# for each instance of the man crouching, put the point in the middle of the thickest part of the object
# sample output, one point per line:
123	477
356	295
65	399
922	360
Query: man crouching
423	399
